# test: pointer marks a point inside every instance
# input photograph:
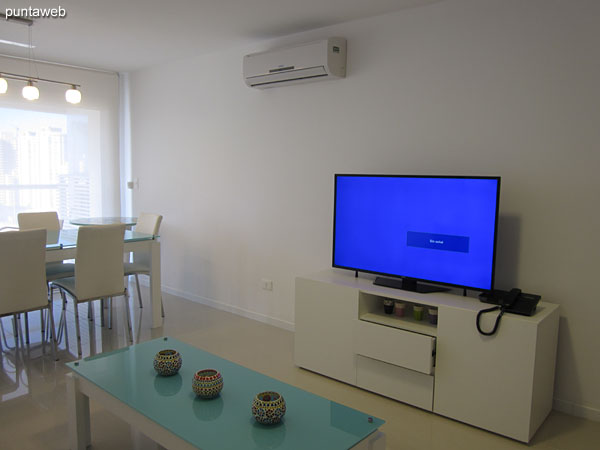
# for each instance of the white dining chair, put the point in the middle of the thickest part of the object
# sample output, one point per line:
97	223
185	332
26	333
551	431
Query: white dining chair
23	276
54	270
50	221
31	220
98	271
150	224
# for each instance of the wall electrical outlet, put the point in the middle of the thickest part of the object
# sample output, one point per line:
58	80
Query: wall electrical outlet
266	284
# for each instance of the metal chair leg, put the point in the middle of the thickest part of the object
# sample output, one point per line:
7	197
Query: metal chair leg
42	327
47	320
52	332
129	327
41	334
18	330
26	314
101	312
110	313
61	320
79	352
62	329
139	292
51	302
15	329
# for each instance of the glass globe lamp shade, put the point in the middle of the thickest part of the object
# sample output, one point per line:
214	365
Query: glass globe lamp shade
73	95
3	86
30	92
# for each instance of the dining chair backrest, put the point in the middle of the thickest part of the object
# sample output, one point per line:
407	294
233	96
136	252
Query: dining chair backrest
22	271
99	262
150	224
31	220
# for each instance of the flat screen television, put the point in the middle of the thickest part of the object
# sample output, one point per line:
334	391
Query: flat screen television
437	229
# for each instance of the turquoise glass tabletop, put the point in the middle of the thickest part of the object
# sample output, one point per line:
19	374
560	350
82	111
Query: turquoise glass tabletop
225	422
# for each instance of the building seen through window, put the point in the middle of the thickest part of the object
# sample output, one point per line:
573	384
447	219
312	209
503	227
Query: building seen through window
48	162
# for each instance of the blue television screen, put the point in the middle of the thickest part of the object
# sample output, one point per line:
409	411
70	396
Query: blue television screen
439	229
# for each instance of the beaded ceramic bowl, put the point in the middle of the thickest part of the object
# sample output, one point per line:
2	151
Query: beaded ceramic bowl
268	407
167	362
207	383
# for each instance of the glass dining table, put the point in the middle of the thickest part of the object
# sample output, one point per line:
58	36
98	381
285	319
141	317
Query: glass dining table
62	245
87	221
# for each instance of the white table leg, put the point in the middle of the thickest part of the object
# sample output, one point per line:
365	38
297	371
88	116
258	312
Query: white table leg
375	441
155	283
78	406
379	441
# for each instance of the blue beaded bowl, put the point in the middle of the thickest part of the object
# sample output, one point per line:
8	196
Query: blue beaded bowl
268	407
167	362
207	383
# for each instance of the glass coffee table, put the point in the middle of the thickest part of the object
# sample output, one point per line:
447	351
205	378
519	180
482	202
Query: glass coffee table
166	409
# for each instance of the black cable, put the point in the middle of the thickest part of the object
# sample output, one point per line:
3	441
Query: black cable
487	310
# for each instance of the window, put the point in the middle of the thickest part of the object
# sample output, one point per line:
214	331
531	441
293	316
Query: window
49	162
55	156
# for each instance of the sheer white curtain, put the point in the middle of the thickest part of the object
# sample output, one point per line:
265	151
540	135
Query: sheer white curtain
55	156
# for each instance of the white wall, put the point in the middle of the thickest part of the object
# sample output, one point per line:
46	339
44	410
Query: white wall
244	177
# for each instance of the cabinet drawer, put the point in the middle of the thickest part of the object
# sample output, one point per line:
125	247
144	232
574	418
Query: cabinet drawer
398	347
395	382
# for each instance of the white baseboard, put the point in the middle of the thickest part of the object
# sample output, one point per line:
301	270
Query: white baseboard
575	409
229	308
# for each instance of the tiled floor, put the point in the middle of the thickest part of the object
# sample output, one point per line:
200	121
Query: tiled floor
32	386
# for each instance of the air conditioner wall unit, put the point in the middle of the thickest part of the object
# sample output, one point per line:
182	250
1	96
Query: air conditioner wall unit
314	61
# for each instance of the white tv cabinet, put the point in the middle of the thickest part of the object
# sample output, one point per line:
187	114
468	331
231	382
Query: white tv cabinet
502	383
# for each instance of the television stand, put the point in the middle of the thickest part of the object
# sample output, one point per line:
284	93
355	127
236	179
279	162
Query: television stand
443	366
408	284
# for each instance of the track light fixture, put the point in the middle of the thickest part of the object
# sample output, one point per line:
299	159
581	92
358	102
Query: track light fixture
31	92
73	95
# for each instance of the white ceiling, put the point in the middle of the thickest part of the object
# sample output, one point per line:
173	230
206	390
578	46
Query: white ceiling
124	35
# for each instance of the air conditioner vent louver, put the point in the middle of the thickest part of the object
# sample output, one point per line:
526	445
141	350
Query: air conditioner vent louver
314	61
282	69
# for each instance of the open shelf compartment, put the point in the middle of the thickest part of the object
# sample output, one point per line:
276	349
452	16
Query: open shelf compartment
371	310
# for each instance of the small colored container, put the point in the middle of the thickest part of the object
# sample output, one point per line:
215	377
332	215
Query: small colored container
399	309
268	407
388	306
207	383
167	362
433	315
418	312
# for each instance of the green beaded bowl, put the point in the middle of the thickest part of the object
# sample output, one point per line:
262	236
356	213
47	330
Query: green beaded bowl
207	383
268	407
167	362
